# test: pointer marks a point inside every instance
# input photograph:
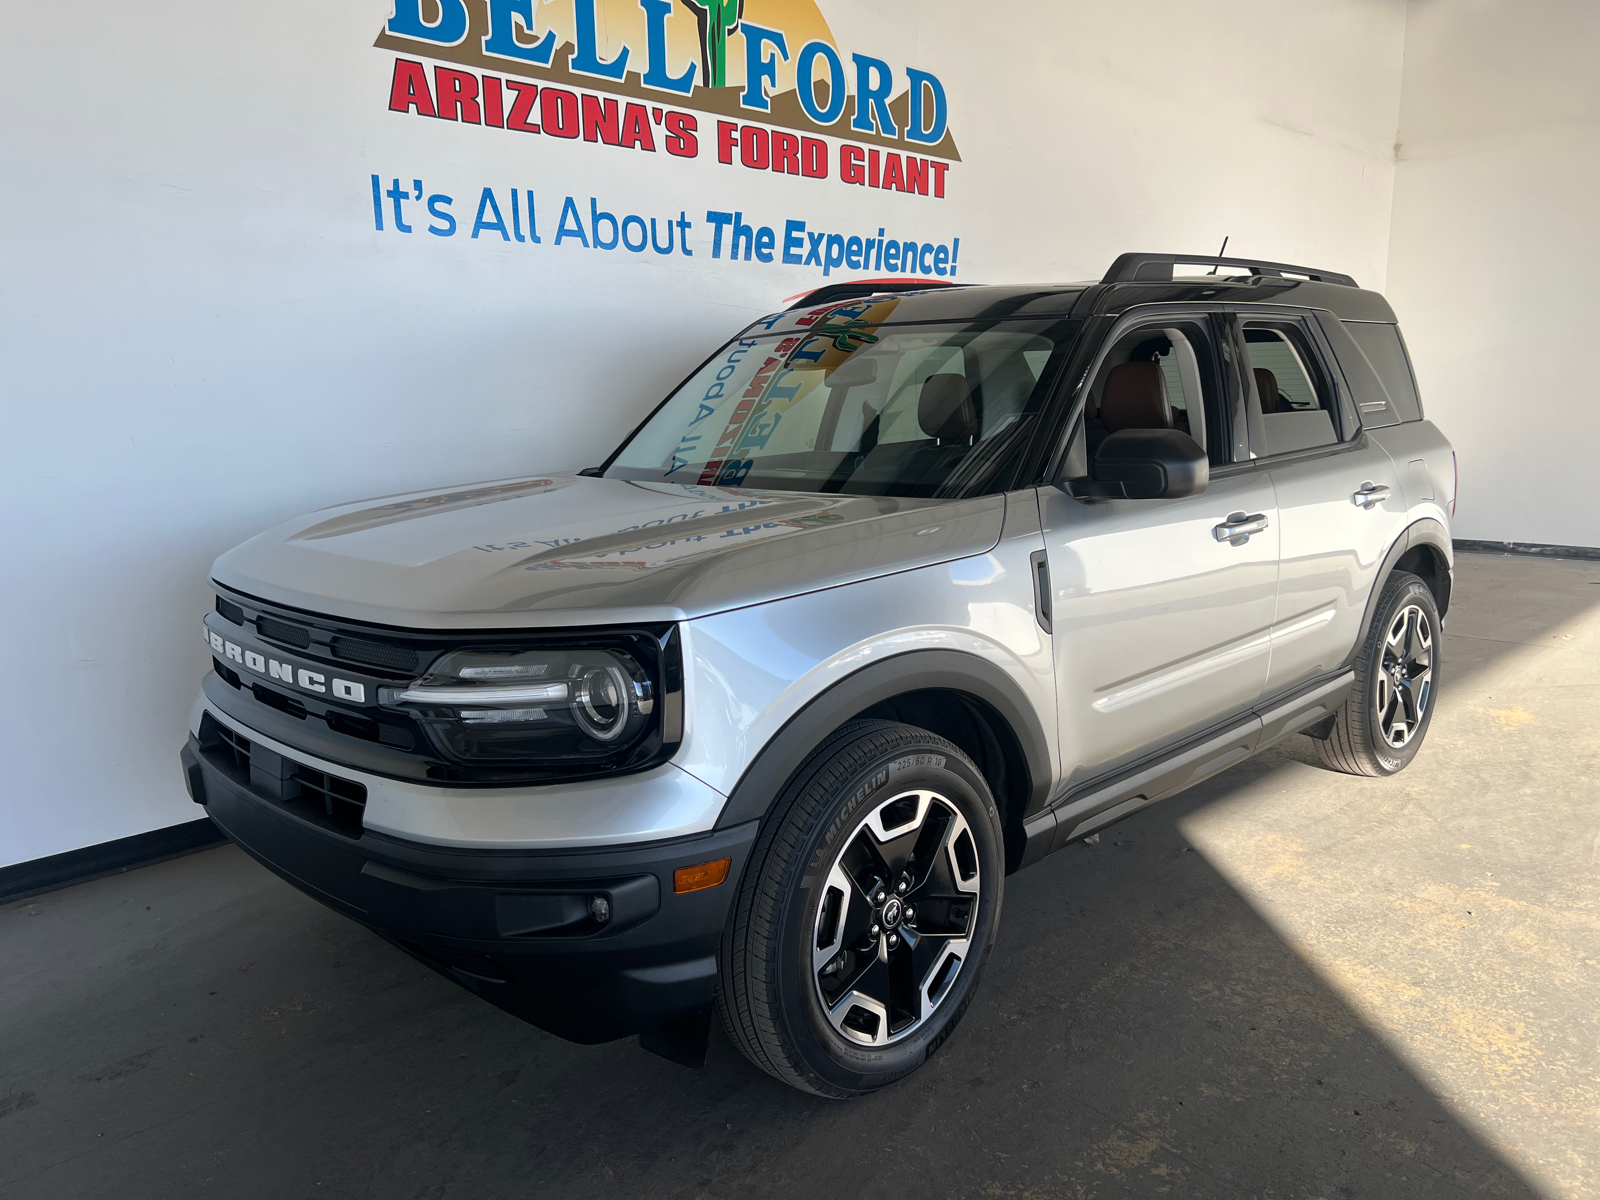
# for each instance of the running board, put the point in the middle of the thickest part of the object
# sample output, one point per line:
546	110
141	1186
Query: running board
1081	812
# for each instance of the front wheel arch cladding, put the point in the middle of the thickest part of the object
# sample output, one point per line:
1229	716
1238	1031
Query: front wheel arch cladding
916	671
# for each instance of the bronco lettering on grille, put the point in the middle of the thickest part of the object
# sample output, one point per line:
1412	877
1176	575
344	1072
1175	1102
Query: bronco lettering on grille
310	681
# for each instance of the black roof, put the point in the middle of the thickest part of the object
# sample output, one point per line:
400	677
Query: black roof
1116	292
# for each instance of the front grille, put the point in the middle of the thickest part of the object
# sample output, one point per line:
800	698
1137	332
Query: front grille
327	800
374	654
234	749
333	727
277	700
399	738
312	795
284	633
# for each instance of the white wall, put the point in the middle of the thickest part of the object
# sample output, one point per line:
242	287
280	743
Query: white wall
202	333
1495	254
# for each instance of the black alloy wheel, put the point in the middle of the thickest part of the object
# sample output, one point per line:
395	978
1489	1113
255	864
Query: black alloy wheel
895	922
1380	728
1405	676
866	913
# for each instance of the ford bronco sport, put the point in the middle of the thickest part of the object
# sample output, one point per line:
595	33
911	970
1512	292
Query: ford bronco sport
902	590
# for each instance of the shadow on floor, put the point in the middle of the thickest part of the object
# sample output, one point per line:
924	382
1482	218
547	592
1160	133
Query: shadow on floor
199	1028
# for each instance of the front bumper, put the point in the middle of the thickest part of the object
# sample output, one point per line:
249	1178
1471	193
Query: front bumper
511	926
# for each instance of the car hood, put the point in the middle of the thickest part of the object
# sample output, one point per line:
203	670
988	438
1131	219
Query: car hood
575	550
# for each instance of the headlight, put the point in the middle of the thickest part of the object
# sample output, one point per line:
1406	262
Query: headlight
548	705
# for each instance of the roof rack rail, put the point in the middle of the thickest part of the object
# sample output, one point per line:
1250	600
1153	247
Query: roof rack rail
832	293
1157	268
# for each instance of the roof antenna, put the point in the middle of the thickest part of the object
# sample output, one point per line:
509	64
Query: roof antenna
1220	253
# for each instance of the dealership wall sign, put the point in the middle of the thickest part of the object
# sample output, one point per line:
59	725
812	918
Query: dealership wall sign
749	85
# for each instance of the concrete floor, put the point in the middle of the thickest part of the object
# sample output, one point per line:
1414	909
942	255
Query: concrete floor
1286	983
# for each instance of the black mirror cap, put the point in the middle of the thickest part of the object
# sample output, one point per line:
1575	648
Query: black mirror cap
1152	464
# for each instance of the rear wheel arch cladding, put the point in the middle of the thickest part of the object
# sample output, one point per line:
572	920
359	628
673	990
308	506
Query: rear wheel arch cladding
1427	560
1422	537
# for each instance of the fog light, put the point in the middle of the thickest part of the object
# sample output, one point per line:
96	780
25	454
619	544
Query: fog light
599	909
700	876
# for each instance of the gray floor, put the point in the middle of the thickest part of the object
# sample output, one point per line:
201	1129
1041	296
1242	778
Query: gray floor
1287	983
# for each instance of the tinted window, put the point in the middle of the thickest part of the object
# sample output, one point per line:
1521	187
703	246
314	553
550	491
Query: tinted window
1384	350
1293	400
931	410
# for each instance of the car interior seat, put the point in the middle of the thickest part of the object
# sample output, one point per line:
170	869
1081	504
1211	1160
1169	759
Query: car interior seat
1135	397
1267	389
949	417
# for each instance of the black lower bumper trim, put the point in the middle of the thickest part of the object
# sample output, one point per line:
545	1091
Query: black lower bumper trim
515	927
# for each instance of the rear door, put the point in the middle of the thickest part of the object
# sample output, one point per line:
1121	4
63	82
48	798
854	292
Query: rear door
1340	503
1160	616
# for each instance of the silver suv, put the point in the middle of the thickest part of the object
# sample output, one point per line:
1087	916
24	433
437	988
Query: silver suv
902	590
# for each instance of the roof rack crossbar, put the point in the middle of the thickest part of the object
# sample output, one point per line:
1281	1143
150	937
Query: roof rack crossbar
1157	268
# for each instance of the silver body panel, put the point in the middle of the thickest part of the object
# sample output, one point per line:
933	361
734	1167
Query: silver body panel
566	550
1331	550
1160	628
751	670
1426	465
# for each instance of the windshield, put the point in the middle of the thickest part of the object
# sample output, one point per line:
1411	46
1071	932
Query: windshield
848	406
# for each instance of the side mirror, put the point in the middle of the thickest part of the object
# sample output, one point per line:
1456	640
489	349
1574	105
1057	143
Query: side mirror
1146	464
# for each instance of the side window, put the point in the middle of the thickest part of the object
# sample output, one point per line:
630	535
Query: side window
1162	375
1294	401
1386	352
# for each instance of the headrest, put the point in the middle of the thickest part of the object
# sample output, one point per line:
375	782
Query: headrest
1267	389
945	410
1135	397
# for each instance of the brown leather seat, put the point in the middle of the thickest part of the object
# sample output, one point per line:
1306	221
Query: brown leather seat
1135	397
945	409
1267	389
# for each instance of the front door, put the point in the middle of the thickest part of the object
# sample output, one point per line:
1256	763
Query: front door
1161	608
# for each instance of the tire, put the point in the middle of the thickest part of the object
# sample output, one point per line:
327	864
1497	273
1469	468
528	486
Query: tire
1363	737
875	805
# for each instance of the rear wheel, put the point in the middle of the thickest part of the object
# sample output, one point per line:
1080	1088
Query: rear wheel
1382	724
866	914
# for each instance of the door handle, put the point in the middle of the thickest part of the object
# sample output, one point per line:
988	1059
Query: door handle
1239	526
1370	494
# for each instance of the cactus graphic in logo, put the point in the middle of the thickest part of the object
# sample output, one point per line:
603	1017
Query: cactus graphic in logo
717	19
776	62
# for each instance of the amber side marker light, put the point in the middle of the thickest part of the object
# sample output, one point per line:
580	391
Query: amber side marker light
701	876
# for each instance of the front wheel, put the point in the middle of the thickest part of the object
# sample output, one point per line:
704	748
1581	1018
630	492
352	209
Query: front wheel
1381	726
865	916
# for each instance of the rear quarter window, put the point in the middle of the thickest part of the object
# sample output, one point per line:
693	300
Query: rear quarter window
1381	344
